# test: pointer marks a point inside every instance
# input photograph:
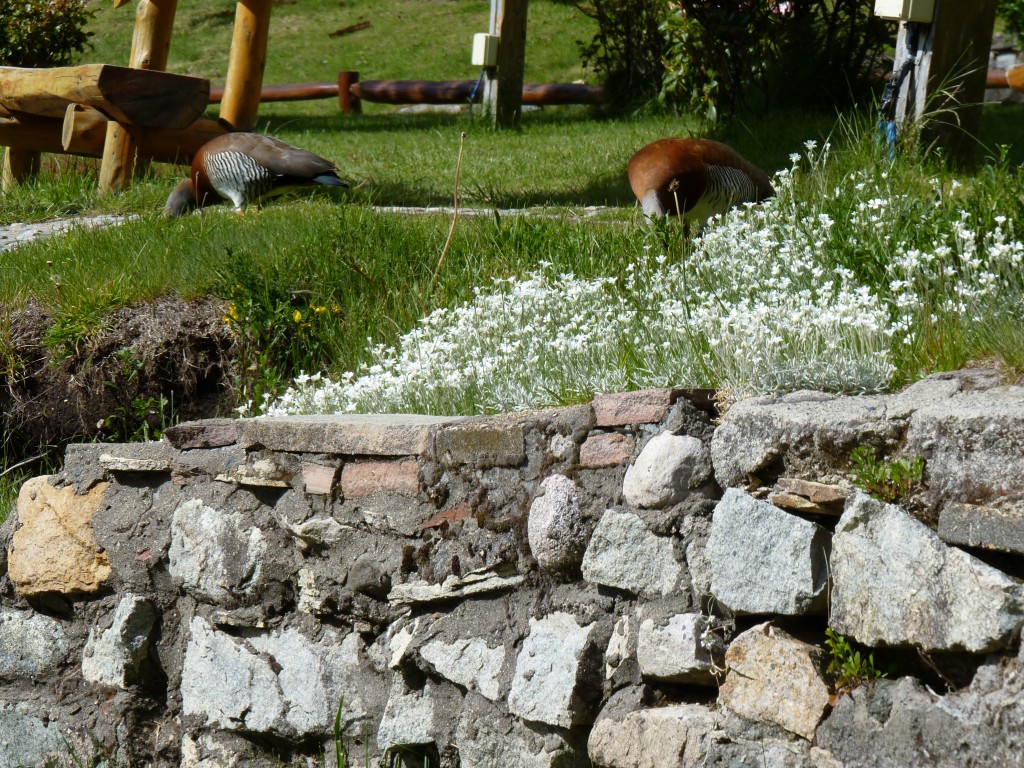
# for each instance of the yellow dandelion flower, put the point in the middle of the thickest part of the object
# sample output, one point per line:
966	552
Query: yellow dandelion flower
297	316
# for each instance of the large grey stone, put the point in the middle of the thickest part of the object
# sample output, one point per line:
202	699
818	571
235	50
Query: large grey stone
215	554
220	749
467	662
764	560
487	736
803	434
623	553
345	434
281	683
674	651
555	525
775	678
667	469
973	443
481	443
551	671
31	645
999	528
895	583
26	740
418	716
115	656
666	737
893	724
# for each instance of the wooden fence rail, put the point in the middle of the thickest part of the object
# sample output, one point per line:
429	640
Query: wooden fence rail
1008	78
350	91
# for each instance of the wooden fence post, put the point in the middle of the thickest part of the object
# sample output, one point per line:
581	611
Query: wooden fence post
503	91
940	72
18	165
246	62
349	102
151	44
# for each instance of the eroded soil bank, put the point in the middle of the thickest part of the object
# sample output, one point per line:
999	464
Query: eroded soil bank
120	377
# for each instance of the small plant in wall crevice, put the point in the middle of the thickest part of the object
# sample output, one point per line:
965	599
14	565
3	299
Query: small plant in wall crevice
891	481
848	667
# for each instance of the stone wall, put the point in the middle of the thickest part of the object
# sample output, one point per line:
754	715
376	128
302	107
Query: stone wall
627	583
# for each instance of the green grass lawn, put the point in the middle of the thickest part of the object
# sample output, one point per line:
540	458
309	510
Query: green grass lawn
428	40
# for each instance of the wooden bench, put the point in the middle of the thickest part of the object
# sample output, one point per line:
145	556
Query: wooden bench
124	114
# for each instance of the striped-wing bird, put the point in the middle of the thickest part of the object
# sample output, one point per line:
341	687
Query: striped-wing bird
694	179
246	168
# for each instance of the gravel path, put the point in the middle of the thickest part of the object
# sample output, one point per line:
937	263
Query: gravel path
16	234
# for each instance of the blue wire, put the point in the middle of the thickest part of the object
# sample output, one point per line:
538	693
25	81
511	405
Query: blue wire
472	95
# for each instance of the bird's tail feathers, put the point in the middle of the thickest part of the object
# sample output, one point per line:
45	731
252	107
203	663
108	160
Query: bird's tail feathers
330	180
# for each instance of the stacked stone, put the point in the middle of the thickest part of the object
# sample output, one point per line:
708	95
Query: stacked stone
626	583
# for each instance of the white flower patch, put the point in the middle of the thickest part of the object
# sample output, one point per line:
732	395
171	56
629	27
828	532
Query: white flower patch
814	292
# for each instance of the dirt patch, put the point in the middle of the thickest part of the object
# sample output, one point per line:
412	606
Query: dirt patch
142	368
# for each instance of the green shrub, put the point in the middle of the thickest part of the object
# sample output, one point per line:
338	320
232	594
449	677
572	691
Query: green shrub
713	58
628	49
715	53
42	33
1012	14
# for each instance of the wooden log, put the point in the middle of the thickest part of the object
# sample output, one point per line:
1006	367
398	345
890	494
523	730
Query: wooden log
291	92
31	133
19	164
82	127
414	91
996	78
460	91
84	132
151	40
119	157
246	62
418	92
151	43
132	96
550	94
1006	78
1015	77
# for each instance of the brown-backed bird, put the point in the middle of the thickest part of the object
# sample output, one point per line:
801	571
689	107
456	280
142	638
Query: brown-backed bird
245	168
694	178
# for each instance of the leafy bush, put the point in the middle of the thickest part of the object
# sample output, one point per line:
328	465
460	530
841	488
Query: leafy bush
1012	14
716	51
716	57
42	33
628	48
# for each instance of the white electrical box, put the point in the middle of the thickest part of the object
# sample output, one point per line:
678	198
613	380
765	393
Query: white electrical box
906	10
485	50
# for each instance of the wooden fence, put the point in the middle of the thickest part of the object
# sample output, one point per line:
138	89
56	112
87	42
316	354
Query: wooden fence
350	92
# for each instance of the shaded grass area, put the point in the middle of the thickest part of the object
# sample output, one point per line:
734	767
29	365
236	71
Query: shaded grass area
562	156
